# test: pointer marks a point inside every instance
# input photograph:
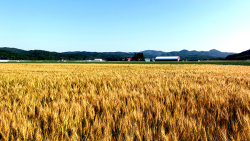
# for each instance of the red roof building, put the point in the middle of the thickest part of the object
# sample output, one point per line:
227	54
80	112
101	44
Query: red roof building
128	59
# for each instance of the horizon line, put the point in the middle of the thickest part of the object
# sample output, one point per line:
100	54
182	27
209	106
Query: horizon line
119	51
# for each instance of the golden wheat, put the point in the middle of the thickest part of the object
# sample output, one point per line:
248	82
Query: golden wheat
124	102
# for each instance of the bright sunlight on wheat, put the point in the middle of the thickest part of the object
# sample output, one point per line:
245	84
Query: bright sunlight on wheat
124	102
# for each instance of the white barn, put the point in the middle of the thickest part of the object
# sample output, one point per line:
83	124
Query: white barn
100	60
167	58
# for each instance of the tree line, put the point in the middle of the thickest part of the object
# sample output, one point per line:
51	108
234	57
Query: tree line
42	55
46	55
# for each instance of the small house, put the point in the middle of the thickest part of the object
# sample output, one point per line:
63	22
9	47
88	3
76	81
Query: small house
147	59
128	59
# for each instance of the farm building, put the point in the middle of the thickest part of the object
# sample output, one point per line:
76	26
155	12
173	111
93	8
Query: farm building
3	59
61	60
95	60
167	58
147	59
127	59
98	60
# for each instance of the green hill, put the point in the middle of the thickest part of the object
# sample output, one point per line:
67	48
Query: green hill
14	50
245	55
18	54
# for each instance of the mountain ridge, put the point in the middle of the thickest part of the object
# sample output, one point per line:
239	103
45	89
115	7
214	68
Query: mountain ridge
240	56
212	54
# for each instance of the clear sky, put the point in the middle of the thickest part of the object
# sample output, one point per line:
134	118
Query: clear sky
125	25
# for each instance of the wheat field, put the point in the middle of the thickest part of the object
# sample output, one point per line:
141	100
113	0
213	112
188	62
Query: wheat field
124	102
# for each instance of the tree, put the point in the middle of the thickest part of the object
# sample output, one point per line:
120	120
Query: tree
138	57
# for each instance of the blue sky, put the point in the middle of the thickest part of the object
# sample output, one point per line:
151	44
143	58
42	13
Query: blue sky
125	25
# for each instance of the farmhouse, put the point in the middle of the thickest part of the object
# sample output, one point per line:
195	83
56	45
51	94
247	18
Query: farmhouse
167	58
3	59
128	59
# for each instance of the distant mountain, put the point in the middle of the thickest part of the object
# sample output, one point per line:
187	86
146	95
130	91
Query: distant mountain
241	56
153	53
18	54
15	53
14	50
184	54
